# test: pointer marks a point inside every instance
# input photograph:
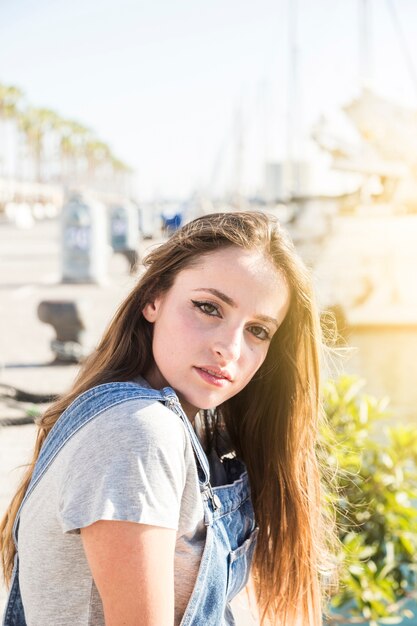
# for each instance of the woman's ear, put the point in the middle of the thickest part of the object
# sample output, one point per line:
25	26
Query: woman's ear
150	311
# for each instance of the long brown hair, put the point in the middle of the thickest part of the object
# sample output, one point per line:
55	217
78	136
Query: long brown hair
272	422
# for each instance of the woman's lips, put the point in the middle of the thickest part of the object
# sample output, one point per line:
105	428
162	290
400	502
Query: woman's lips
213	377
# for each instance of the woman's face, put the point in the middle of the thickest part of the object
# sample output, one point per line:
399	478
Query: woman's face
212	329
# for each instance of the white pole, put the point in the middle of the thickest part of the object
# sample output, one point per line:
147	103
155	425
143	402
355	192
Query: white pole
292	99
365	43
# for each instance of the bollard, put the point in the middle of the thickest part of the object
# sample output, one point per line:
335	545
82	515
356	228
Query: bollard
65	318
84	240
124	226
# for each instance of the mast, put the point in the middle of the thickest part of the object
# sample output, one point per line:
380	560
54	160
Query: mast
238	153
365	47
292	97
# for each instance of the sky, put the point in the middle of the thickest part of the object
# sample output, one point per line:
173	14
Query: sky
185	90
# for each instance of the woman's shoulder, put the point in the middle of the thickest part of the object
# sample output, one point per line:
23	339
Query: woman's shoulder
134	420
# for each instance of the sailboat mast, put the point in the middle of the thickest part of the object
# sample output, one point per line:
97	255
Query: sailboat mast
292	97
365	48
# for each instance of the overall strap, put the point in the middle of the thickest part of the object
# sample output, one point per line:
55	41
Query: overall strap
206	489
174	404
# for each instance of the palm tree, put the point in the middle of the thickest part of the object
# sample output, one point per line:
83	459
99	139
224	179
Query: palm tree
98	156
69	149
75	139
35	125
10	97
121	174
67	155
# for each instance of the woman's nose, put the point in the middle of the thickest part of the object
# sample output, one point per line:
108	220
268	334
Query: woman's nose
229	345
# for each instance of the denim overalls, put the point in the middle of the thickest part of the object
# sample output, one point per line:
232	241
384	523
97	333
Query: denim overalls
228	512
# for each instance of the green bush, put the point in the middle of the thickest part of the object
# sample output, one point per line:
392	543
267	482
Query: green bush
375	470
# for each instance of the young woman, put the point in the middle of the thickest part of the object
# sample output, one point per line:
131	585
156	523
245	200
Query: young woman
183	458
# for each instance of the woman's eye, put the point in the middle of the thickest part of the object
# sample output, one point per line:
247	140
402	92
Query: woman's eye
259	332
207	307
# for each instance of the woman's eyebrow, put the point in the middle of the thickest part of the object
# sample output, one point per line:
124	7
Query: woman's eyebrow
267	319
219	294
228	300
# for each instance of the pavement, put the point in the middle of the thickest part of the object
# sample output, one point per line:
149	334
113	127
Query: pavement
30	273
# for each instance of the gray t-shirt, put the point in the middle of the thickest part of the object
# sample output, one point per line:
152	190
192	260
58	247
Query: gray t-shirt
134	462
